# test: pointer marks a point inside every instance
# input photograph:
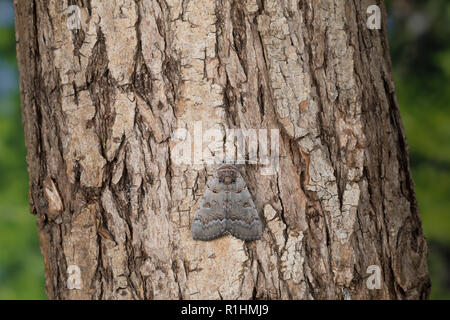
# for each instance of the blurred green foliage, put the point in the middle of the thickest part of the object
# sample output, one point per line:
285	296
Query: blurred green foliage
419	34
21	265
420	49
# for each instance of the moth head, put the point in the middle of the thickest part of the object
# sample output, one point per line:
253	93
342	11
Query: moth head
227	174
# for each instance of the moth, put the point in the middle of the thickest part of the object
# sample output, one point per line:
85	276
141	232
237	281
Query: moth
226	207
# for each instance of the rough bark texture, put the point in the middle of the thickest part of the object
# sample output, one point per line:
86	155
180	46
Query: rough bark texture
99	106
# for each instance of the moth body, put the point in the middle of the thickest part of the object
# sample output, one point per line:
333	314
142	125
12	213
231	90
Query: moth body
226	208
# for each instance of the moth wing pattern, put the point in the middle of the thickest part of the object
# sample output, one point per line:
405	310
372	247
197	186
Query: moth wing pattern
243	221
226	207
210	220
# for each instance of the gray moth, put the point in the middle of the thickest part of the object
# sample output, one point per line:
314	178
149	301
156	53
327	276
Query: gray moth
226	207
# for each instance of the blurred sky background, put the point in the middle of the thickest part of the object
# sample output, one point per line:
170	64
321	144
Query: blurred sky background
419	34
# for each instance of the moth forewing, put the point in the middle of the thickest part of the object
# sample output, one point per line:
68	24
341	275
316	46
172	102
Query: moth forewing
226	206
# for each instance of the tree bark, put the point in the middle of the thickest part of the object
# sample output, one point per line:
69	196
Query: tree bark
101	103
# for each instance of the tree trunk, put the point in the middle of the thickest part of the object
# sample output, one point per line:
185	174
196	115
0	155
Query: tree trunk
100	106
